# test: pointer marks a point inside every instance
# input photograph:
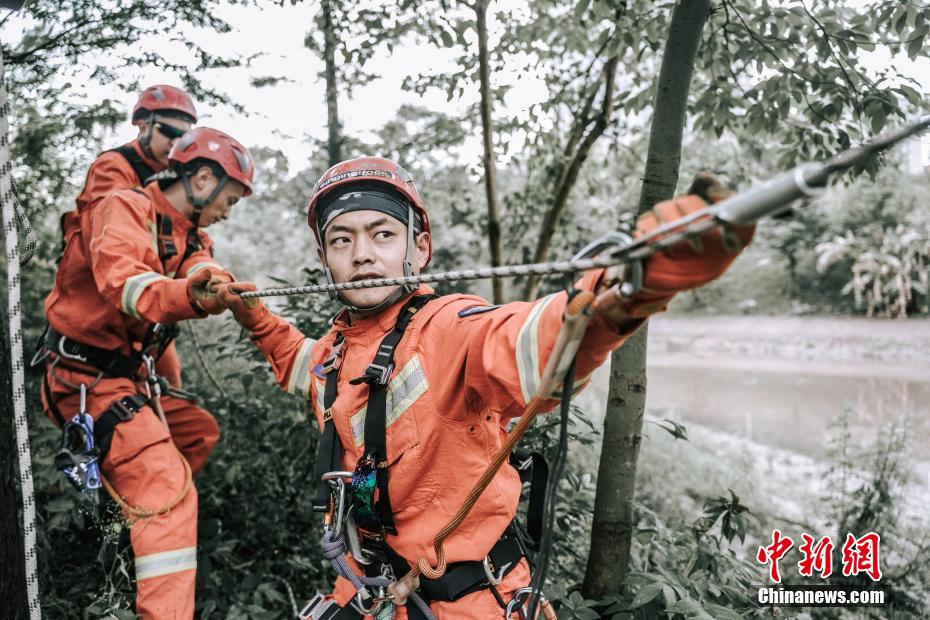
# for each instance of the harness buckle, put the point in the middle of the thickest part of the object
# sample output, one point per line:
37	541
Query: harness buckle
378	374
525	464
318	608
122	411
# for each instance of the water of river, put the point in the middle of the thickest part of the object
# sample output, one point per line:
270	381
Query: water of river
786	400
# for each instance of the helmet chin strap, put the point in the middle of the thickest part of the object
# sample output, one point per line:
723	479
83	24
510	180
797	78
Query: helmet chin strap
397	294
200	203
145	141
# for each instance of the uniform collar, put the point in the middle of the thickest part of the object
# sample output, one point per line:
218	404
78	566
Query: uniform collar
151	163
378	324
179	221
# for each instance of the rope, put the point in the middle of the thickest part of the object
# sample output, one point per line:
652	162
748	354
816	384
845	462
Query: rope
645	246
334	549
576	321
16	226
145	513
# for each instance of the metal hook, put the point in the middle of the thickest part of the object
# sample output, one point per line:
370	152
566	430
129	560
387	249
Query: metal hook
489	572
70	356
337	482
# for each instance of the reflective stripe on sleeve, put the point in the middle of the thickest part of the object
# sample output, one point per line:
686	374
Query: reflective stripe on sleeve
166	563
298	382
320	388
198	266
409	384
133	289
527	349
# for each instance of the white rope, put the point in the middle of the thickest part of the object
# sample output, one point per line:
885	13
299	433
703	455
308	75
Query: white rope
13	215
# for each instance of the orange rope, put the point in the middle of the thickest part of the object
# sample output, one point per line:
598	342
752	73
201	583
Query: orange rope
144	513
576	320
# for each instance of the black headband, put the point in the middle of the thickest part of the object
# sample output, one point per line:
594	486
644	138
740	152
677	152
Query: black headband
364	200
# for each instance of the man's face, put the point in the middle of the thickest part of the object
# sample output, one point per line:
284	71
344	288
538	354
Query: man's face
362	245
222	205
202	185
165	132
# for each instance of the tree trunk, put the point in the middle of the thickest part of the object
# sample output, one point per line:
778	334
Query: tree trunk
612	531
13	603
334	138
487	134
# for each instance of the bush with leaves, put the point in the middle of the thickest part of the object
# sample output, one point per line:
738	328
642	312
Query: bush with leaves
868	487
890	268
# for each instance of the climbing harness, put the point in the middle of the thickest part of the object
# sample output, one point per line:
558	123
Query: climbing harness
17	228
344	515
355	523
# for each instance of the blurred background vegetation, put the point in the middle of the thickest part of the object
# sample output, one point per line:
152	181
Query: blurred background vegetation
773	84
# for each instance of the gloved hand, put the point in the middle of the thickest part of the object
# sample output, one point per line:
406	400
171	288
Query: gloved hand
247	311
201	290
686	265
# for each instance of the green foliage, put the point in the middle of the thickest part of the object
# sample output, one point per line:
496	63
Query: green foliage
691	573
868	481
795	71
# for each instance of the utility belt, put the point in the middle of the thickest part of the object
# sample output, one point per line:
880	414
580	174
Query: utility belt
112	363
459	580
464	578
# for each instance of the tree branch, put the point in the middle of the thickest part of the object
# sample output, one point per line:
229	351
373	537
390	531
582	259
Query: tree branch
571	169
48	43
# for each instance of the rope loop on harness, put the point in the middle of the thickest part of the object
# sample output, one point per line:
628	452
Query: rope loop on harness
138	512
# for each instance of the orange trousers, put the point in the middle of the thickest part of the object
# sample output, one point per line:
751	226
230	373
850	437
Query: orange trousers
145	467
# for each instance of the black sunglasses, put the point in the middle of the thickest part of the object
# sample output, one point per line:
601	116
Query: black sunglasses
169	131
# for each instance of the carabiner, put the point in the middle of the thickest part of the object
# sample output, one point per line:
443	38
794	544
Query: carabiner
337	482
493	579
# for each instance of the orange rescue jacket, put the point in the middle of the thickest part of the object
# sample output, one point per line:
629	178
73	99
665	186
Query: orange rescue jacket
459	378
112	284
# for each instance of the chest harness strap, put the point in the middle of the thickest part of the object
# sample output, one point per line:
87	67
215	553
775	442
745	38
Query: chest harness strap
371	473
138	165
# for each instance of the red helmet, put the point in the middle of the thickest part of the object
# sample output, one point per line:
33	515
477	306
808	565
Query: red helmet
163	98
367	170
213	144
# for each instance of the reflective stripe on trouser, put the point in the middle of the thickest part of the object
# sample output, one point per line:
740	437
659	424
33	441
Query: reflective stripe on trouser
145	467
165	563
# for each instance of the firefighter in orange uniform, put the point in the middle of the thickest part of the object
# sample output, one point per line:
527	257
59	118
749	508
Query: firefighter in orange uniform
416	391
163	114
137	262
